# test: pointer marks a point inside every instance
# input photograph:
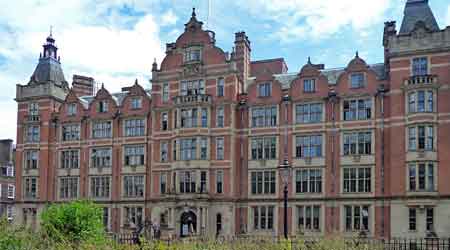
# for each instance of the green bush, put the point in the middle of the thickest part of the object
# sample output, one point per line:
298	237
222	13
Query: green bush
77	222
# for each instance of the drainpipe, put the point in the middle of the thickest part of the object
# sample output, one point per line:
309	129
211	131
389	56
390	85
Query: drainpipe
381	93
242	108
333	98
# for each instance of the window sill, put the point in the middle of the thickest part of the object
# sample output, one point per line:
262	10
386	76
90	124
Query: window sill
308	123
422	193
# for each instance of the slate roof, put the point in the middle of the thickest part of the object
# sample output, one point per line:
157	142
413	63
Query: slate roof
48	70
117	97
331	74
415	11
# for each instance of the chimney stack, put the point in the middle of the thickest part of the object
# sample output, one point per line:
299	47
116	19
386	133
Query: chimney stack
83	85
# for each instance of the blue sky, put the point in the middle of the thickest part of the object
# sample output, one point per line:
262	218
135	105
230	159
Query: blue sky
115	41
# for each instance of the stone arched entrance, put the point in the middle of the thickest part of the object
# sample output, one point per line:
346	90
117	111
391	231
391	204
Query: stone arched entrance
188	224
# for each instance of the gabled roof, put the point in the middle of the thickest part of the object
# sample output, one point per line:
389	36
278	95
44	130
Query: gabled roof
117	97
418	11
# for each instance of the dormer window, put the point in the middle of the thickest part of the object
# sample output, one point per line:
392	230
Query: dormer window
265	89
136	103
309	85
102	106
192	55
357	80
420	66
72	109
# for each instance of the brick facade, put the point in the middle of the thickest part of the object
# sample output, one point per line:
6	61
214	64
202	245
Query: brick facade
201	151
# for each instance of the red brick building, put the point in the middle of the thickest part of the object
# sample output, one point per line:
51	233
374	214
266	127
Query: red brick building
200	153
7	185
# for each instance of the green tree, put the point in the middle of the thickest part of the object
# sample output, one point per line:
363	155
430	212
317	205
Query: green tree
77	222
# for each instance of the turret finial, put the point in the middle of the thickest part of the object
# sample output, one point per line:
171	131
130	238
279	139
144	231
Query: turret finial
154	65
193	12
136	82
309	60
357	54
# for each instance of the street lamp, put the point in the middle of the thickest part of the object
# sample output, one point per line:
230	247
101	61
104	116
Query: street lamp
285	170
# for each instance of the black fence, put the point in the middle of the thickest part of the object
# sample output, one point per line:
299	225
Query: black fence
310	243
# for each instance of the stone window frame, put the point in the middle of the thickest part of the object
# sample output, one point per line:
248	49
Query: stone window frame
134	126
102	106
311	145
412	219
256	215
72	109
137	158
163	183
220	87
358	110
219	181
270	182
192	87
33	109
104	186
189	52
136	102
309	180
139	212
165	92
264	89
73	158
312	83
70	195
414	93
370	219
320	218
29	158
164	151
164	121
412	67
137	187
189	117
358	132
92	161
103	129
309	105
371	180
360	85
71	129
220	149
26	188
268	121
426	177
32	134
220	117
414	147
264	138
11	191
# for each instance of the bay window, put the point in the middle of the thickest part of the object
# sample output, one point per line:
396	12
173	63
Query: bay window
422	177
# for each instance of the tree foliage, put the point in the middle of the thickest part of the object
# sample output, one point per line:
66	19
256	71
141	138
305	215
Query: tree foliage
75	222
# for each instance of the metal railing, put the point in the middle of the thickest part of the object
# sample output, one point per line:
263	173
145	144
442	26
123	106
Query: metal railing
302	243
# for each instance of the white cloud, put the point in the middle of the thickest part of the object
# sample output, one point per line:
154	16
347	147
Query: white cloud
93	39
169	18
305	19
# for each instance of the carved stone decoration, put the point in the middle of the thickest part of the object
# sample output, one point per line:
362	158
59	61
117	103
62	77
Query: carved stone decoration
192	70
